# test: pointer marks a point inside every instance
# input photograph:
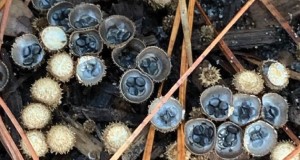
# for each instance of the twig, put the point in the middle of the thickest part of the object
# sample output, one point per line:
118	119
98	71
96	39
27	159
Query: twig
2	2
289	132
186	31
4	20
9	143
284	23
151	132
181	80
19	129
149	143
182	89
237	66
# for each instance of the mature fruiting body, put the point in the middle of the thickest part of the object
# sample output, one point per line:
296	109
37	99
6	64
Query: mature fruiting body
35	116
248	82
38	142
61	66
275	74
47	91
60	139
114	136
168	117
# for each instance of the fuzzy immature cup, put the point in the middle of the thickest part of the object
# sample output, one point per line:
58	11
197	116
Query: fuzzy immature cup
282	149
61	66
38	142
47	91
35	116
60	139
248	82
114	135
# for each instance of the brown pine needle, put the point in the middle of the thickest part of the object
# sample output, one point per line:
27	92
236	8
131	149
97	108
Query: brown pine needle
186	31
284	23
237	66
182	89
151	132
138	130
4	20
19	129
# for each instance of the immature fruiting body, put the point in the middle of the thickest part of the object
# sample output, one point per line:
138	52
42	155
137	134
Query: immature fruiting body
89	126
60	139
114	136
47	91
283	149
172	153
159	4
209	76
35	116
248	82
61	66
38	142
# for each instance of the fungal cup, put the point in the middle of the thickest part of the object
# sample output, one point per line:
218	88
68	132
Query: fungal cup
125	56
274	109
135	86
27	52
85	16
259	138
87	42
90	70
229	140
168	116
58	15
216	102
200	135
116	30
154	62
246	109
